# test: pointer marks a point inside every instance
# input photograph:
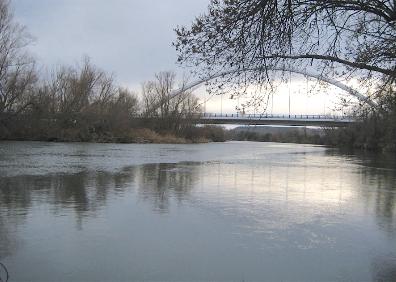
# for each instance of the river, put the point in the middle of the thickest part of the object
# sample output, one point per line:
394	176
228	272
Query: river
235	211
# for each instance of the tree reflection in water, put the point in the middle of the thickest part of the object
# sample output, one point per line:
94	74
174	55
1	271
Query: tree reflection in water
381	197
86	193
159	183
384	268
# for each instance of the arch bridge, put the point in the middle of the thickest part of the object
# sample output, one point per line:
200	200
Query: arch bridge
266	119
353	92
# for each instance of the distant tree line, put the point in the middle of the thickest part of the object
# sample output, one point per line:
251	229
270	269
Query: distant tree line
283	136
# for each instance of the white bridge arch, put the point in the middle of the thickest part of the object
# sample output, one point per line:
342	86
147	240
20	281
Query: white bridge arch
331	81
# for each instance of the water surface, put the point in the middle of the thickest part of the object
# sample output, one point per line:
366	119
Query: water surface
237	211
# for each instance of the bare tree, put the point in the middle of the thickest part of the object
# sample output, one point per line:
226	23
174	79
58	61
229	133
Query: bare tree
173	112
83	100
122	110
338	38
75	90
17	68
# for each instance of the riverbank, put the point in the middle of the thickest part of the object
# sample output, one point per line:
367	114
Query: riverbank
133	135
362	136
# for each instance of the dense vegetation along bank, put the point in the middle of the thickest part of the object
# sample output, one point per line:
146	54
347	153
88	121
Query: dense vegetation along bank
26	128
376	130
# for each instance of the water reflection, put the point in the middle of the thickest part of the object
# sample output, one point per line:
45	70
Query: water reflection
380	195
376	185
87	192
384	268
158	183
84	192
272	208
8	240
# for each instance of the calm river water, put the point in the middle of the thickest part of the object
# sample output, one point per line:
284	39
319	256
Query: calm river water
237	211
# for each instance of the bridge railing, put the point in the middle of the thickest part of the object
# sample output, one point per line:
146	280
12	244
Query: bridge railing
275	116
239	116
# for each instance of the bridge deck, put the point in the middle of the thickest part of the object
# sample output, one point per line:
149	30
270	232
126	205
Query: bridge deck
266	119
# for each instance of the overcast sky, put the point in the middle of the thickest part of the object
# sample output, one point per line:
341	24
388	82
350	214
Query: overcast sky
130	38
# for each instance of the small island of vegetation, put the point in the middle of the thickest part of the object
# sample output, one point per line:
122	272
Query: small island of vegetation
82	103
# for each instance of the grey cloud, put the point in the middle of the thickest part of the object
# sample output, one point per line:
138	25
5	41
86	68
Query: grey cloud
129	38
